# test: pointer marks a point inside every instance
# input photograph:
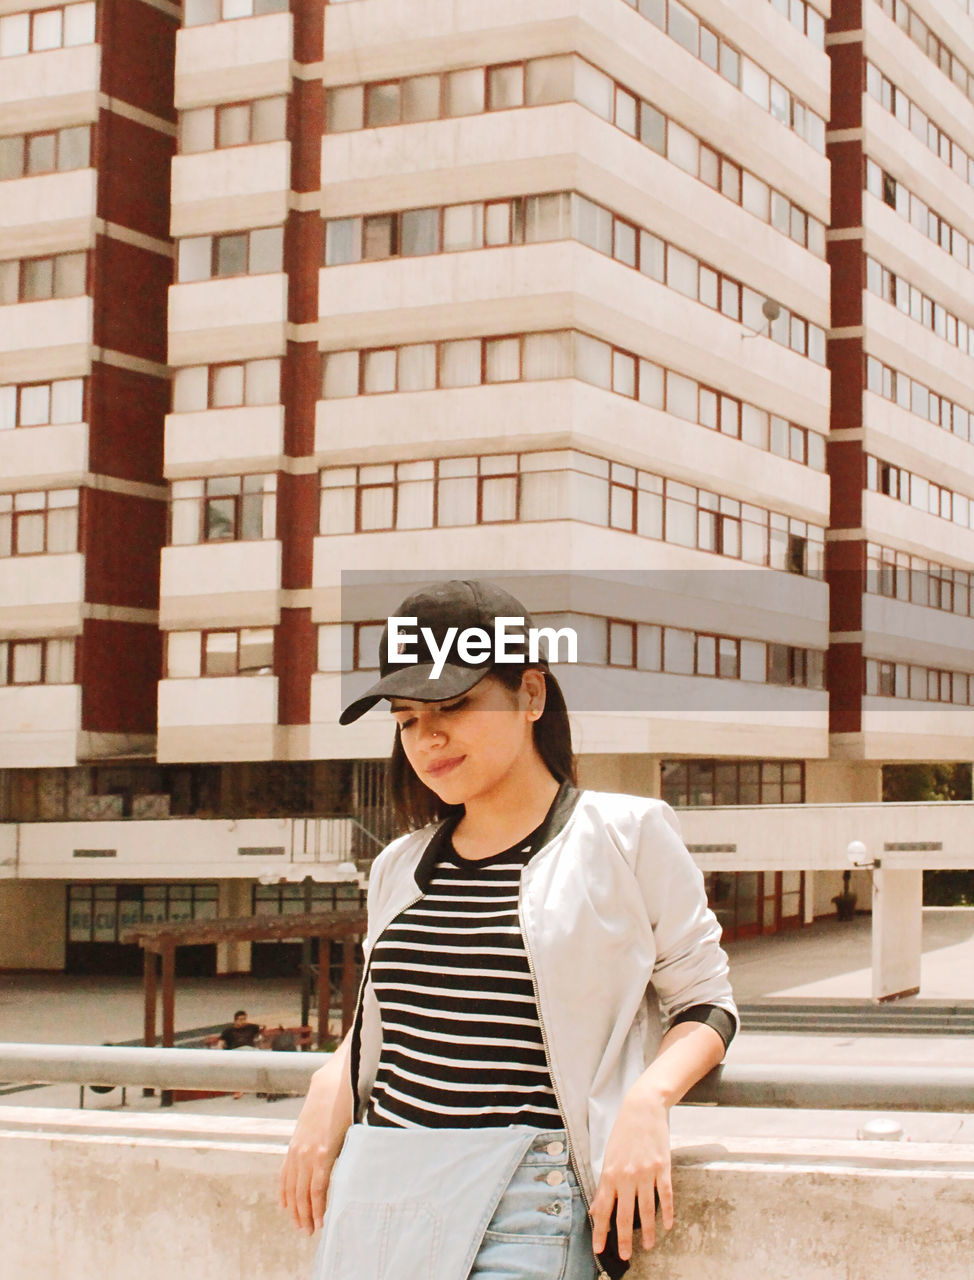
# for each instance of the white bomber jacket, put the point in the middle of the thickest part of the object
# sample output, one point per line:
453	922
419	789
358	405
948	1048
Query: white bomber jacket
620	941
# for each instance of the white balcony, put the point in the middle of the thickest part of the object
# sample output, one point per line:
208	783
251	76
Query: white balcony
168	847
42	90
667	714
236	318
37	457
365	42
895	148
557	285
232	189
234	61
909	67
900	729
905	344
895	243
221	718
816	836
39	724
896	524
902	632
904	438
566	147
45	339
52	213
220	584
231	439
41	594
545	415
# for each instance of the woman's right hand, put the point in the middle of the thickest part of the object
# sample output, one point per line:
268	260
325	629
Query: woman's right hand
305	1175
317	1140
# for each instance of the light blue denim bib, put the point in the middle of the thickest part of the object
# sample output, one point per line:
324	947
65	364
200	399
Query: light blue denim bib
413	1204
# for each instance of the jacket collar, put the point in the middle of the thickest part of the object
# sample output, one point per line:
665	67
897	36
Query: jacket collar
555	819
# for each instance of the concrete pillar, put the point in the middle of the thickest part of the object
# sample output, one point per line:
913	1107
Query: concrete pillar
234	900
897	932
33	933
637	775
843	782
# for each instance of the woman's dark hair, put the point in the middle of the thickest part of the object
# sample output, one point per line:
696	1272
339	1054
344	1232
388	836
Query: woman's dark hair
415	804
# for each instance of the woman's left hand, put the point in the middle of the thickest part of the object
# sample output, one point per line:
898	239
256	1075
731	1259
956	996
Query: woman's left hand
636	1165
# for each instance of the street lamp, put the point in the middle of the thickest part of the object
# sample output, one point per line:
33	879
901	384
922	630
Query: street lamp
858	856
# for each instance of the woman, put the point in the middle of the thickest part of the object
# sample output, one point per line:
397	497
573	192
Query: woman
543	982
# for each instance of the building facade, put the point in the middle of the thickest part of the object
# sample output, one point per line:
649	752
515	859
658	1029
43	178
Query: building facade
665	300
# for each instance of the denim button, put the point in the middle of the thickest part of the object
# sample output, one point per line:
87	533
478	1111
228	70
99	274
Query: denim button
555	1148
555	1178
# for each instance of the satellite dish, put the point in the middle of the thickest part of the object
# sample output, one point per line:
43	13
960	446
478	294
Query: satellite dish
770	310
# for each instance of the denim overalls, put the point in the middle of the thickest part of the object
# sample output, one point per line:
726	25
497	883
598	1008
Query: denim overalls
448	1204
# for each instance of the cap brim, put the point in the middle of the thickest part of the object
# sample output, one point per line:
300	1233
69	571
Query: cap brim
415	682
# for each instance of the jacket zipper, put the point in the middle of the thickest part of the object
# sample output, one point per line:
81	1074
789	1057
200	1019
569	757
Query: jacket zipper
554	1078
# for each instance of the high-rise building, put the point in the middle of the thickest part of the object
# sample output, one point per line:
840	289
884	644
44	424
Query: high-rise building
601	288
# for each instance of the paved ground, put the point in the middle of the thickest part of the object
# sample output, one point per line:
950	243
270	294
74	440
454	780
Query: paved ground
832	961
827	963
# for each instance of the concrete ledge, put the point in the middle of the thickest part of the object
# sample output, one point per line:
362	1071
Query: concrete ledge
107	1197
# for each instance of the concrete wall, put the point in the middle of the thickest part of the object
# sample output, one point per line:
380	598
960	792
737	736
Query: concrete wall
103	1197
32	924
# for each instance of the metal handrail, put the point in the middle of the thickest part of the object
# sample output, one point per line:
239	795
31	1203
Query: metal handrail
828	1088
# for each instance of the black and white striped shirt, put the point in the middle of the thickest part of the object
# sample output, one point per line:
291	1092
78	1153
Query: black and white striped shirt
461	1040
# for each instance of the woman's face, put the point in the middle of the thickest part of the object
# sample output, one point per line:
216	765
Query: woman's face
463	749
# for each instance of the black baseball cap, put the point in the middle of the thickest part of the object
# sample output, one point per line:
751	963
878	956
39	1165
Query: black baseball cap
465	605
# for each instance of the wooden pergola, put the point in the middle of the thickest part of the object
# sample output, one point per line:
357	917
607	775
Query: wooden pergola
161	940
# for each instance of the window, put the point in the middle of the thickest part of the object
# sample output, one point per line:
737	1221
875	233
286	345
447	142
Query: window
343	241
44	522
222	386
57	151
505	87
383	104
200	12
464	92
47	29
419	232
41	279
223	509
42	403
247	651
49	661
420	98
344	108
238	253
732	782
234	125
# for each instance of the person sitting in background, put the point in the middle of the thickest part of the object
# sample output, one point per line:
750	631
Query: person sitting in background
240	1034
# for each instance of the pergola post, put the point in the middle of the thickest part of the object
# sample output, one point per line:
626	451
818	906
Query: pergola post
168	949
149	966
324	987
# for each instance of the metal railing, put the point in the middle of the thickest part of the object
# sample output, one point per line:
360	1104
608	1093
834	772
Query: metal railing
827	1088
